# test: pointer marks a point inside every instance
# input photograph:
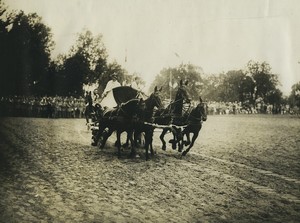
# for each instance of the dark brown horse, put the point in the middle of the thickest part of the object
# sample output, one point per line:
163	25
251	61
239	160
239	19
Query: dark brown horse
144	125
130	120
172	116
194	125
121	119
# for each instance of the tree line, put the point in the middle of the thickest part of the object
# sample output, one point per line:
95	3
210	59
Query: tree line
255	83
27	68
26	65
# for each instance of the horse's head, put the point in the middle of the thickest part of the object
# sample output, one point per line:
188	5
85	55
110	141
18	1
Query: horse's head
154	100
202	108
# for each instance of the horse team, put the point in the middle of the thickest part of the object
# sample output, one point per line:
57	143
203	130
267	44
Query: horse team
139	117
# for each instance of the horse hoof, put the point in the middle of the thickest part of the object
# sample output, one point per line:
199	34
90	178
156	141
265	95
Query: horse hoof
133	155
164	147
184	153
171	141
186	143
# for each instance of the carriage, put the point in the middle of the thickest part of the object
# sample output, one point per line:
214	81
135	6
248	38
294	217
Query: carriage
135	115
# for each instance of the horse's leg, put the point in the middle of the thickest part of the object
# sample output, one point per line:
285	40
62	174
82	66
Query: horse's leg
162	135
151	142
118	143
188	140
133	152
96	134
151	131
195	135
148	142
136	137
87	119
105	135
95	137
126	144
180	140
175	137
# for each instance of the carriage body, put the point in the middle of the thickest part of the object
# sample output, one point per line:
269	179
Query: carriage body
123	94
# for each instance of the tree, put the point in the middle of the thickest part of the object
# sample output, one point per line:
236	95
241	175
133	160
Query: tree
294	98
27	47
71	76
265	81
211	85
93	50
5	21
169	79
247	89
231	88
112	68
86	63
274	97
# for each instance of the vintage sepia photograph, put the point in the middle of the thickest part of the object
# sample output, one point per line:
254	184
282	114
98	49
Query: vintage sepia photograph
144	111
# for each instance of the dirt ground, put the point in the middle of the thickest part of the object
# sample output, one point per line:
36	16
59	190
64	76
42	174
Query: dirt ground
241	169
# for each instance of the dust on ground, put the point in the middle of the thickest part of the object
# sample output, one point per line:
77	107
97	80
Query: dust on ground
241	169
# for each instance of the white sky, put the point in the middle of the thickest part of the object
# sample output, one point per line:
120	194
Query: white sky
215	35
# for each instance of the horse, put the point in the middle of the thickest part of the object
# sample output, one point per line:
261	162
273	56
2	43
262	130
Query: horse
89	108
144	125
121	119
93	113
172	116
144	121
195	118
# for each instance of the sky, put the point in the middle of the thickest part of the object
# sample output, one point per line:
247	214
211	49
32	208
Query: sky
217	35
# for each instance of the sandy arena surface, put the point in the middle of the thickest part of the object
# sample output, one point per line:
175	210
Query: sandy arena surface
241	169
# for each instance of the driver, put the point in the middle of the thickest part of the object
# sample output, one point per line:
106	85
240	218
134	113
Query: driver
108	100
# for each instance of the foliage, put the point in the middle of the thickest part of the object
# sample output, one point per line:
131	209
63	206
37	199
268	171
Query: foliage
169	79
294	98
92	49
265	81
235	85
86	63
232	87
26	44
26	68
112	68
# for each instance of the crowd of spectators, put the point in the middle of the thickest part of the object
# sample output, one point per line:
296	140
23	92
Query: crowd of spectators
71	107
42	107
226	108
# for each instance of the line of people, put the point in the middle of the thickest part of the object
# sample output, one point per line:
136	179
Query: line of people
227	108
42	107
